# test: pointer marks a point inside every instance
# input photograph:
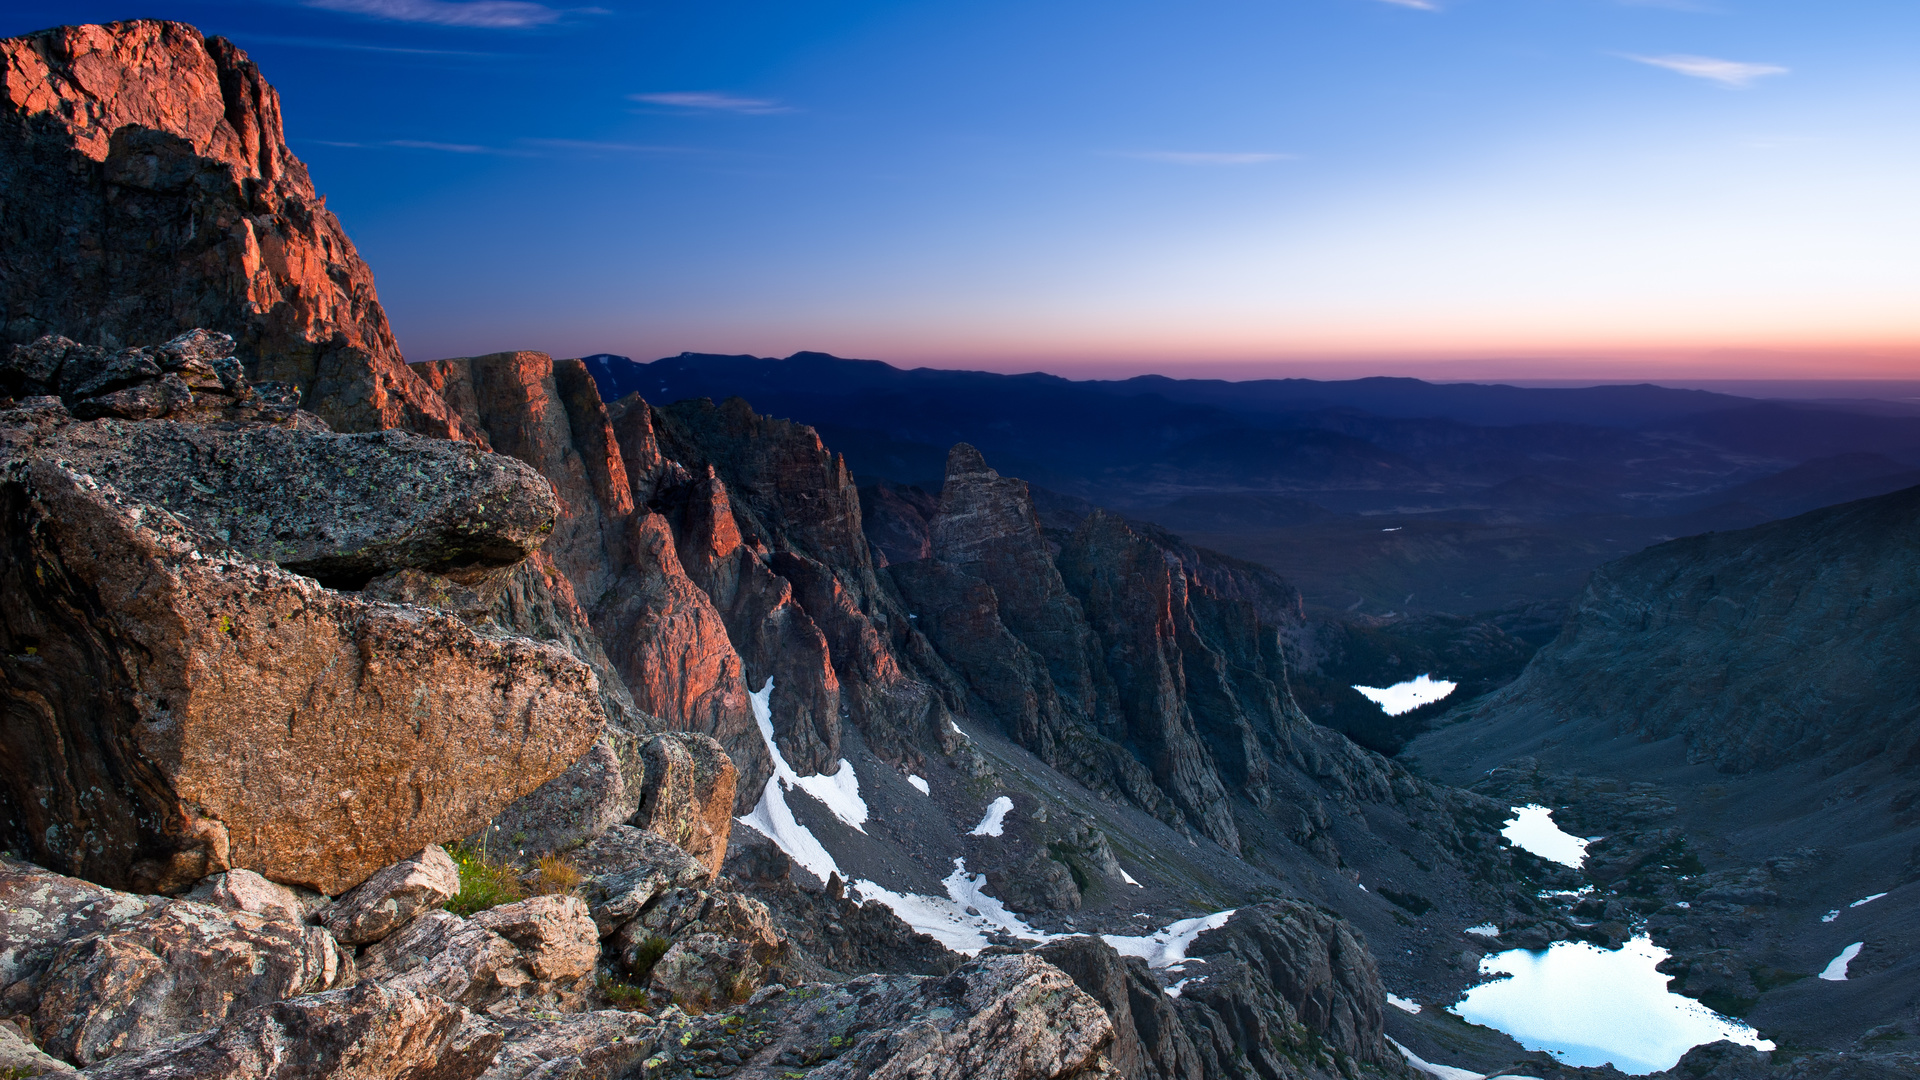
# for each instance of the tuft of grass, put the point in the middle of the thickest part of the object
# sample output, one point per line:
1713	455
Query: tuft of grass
555	875
484	883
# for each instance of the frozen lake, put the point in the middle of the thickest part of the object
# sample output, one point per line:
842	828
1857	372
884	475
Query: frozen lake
1589	1006
1407	696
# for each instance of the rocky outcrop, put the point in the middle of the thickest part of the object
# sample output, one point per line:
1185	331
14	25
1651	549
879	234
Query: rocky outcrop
605	1043
384	902
1283	990
1009	1017
689	795
151	191
244	890
172	971
369	1032
175	707
192	377
340	508
1285	976
1149	1042
534	954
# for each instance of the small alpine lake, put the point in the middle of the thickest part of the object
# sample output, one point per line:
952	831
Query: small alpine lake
1590	1006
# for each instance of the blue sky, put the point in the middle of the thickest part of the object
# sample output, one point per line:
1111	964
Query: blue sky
1463	187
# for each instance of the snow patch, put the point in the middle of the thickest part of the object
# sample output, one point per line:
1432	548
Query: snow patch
919	784
1532	829
773	819
1867	900
994	823
1407	696
841	794
1438	1072
1831	915
1837	970
1485	929
1174	990
1128	878
1403	1004
949	920
1168	946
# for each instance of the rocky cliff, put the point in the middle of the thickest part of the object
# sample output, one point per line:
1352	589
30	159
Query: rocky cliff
150	191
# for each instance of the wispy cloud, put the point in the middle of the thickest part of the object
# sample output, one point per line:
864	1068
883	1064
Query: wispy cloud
1672	5
1419	5
711	102
593	146
355	46
1195	157
423	144
492	14
1725	72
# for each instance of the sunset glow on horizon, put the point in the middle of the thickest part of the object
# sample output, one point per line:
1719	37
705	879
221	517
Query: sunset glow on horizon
1477	189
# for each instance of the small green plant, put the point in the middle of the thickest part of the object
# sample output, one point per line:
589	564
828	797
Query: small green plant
484	883
624	995
645	955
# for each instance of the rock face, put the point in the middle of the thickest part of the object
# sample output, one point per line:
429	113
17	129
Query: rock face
117	136
1283	976
194	706
1282	985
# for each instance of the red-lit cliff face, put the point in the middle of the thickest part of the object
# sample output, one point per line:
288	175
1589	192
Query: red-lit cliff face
149	191
708	550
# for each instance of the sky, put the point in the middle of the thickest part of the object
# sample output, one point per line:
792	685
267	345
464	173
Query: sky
1546	189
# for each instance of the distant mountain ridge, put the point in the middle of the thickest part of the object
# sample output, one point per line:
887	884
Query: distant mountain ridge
1538	485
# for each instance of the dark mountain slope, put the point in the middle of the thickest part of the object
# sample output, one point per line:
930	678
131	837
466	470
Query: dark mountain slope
1742	709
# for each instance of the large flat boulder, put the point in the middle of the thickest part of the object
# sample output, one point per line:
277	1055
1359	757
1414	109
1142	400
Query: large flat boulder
173	708
340	508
